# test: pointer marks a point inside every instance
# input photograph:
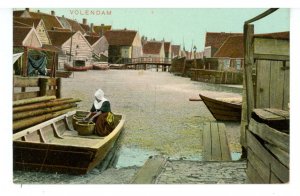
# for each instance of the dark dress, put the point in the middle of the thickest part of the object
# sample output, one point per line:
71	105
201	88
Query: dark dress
103	127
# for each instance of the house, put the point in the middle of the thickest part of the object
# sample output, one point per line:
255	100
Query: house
99	46
124	45
167	49
155	50
214	40
38	24
74	48
231	53
50	20
26	36
175	51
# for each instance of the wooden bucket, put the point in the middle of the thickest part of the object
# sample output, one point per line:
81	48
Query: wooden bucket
85	128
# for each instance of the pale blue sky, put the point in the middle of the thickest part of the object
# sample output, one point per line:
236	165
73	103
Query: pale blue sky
176	25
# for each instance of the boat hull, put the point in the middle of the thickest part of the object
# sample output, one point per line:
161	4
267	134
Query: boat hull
38	155
221	110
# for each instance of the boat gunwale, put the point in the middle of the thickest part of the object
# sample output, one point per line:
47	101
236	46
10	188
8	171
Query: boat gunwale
216	101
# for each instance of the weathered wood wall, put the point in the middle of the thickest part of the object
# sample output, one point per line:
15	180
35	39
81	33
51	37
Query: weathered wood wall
217	77
25	87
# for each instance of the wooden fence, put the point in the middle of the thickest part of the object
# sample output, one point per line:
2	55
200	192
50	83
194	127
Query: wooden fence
25	87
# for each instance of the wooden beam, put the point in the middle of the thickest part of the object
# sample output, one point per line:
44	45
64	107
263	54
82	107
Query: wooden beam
33	100
150	170
249	62
206	142
271	57
272	136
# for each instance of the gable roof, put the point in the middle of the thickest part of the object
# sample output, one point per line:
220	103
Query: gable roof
167	46
175	50
233	47
152	47
19	35
120	37
276	35
29	21
75	26
58	38
50	21
216	39
92	39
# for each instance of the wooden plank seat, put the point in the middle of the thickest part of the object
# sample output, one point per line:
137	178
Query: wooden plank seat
215	145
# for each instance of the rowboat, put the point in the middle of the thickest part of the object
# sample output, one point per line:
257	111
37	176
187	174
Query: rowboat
100	66
60	73
226	109
68	67
54	146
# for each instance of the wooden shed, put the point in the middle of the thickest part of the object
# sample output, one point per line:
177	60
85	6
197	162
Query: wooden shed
38	24
26	36
75	49
155	50
124	45
265	110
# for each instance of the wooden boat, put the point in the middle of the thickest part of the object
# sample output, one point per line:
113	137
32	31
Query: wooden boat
54	146
100	66
227	109
68	67
61	73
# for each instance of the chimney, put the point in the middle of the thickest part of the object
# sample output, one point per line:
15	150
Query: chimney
53	13
27	9
38	11
92	28
84	21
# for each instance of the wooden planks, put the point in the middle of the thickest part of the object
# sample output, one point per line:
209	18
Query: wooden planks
215	145
150	170
270	135
270	163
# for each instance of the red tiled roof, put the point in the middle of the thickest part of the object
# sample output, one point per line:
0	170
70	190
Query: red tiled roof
61	29
75	26
18	13
20	24
233	47
49	20
277	35
215	39
28	21
19	34
92	39
152	47
167	46
175	49
59	37
120	37
85	27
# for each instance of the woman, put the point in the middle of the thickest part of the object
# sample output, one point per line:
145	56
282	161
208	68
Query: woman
101	114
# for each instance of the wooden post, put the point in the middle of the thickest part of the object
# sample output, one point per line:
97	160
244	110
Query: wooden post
25	60
43	83
249	62
58	88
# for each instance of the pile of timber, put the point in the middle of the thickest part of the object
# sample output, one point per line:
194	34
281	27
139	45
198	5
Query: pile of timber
29	112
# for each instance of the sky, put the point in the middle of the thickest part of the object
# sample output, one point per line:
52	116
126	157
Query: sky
180	26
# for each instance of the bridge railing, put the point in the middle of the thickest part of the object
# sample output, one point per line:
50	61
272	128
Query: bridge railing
152	60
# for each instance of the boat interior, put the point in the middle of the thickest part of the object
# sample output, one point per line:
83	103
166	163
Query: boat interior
60	131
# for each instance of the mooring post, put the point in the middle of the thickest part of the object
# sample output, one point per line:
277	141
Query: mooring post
43	86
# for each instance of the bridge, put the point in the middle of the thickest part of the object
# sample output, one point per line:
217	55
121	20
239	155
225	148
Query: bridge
145	63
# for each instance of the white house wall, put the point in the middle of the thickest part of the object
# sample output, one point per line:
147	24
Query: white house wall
81	50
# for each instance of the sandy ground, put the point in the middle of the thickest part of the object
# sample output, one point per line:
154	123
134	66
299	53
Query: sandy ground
160	119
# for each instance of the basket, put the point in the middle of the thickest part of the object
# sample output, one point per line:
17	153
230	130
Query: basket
78	116
85	128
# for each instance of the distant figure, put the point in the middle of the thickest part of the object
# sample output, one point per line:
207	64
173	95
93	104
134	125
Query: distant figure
101	115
